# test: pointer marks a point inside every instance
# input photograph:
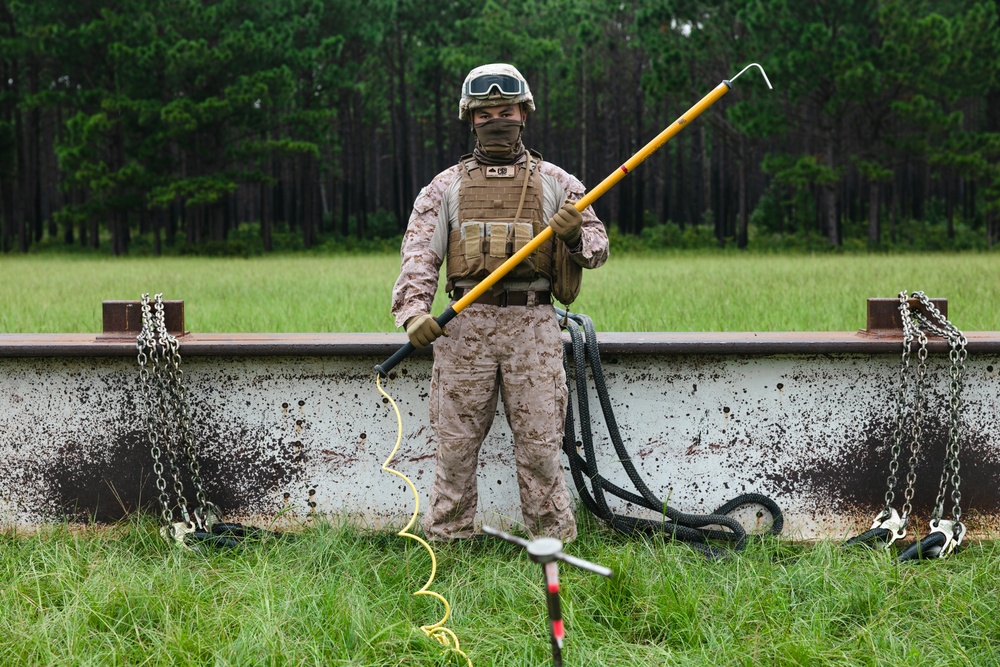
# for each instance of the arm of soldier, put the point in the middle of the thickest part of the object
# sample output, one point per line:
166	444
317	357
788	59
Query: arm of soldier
592	249
420	263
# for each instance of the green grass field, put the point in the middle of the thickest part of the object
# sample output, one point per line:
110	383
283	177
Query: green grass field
341	595
648	292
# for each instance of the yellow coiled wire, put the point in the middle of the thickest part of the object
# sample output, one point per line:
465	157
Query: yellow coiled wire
436	630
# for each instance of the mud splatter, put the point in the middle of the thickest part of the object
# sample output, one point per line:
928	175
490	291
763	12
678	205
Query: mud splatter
246	479
856	480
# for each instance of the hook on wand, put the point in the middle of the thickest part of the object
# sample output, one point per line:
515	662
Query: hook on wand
762	73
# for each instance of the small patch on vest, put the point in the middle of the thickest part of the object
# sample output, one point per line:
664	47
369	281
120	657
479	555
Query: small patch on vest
501	171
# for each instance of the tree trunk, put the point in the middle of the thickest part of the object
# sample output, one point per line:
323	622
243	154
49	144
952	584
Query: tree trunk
706	175
680	195
7	211
307	196
159	220
893	212
404	156
32	181
742	240
266	215
49	195
217	220
119	234
638	200
95	232
362	196
829	198
874	230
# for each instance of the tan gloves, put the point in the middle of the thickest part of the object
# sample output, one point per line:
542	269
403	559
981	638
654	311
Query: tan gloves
423	330
567	223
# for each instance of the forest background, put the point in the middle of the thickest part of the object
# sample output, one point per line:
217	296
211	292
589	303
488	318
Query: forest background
245	126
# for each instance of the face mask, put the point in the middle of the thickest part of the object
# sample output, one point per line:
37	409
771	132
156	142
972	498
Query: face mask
499	136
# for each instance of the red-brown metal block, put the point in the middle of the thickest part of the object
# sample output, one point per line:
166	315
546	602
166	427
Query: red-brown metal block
123	319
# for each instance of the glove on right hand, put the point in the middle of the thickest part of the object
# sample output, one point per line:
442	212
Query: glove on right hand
423	330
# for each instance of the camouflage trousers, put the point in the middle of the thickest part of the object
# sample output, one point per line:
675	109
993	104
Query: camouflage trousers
515	352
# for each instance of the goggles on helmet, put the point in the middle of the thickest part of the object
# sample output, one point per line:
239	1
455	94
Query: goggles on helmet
482	86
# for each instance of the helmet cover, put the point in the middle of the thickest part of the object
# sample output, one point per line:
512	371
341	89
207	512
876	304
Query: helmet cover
496	84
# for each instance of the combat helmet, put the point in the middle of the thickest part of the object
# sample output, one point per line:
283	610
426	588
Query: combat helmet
494	85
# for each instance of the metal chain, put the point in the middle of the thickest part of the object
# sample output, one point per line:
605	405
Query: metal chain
897	435
916	325
905	412
166	389
179	402
940	325
916	424
146	345
958	355
168	421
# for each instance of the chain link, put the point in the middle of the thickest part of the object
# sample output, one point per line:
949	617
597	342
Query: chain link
897	434
146	344
940	325
916	325
916	423
168	421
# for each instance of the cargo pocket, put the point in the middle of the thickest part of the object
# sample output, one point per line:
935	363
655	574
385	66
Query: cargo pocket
561	501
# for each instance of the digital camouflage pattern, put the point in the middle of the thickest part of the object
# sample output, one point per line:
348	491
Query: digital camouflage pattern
525	344
490	351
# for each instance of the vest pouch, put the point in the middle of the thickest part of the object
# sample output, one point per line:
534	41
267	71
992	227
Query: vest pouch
567	275
465	254
497	242
520	234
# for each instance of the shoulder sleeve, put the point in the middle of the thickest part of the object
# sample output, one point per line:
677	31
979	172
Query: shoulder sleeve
420	265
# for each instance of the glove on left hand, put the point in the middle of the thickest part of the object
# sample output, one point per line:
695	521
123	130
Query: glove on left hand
567	224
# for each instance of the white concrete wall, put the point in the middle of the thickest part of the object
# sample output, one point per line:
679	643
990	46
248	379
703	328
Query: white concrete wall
277	433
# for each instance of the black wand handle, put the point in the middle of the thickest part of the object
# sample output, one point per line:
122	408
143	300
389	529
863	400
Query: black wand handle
402	353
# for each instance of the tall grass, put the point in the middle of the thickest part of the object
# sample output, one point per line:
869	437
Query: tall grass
632	292
337	595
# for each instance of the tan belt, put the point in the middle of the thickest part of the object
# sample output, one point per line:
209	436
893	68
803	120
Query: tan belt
504	299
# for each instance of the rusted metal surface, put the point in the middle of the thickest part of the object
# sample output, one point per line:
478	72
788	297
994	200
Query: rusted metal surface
384	344
884	316
294	423
213	345
123	319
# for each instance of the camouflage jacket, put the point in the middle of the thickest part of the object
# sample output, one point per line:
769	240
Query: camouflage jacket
420	263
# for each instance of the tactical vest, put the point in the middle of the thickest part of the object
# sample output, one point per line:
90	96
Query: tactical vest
486	233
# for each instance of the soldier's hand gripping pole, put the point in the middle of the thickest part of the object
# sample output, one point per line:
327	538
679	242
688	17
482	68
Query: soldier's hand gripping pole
588	199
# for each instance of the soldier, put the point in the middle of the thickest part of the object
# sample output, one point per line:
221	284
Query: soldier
476	214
